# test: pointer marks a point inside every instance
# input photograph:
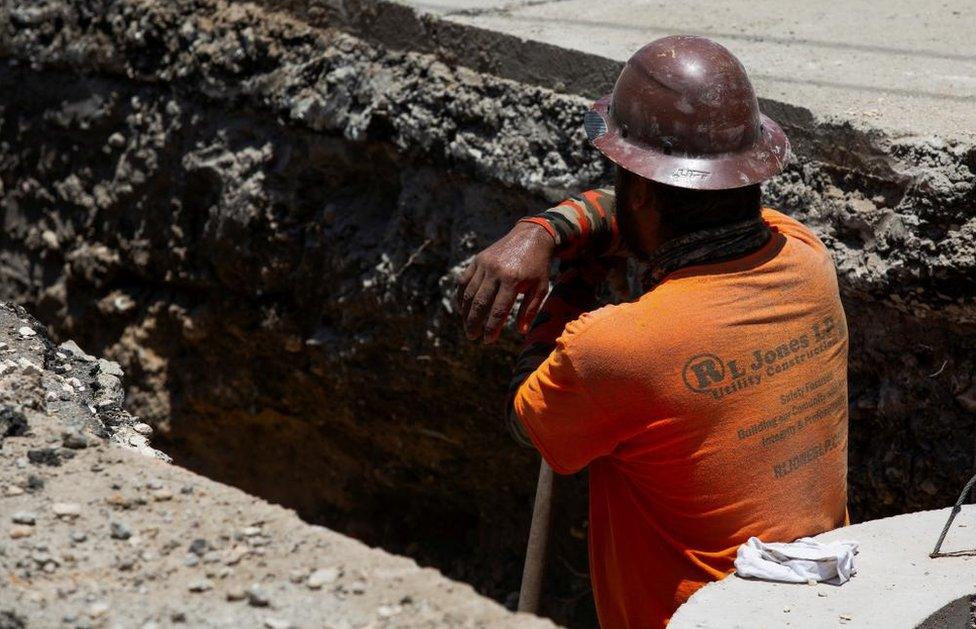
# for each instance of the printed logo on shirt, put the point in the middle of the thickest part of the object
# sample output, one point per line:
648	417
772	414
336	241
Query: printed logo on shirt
804	423
710	374
704	370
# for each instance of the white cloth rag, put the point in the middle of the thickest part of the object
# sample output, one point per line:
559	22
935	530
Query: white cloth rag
797	562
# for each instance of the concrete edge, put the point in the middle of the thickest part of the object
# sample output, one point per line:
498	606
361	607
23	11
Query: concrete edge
705	607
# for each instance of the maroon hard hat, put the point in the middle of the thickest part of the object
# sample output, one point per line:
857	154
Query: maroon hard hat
684	113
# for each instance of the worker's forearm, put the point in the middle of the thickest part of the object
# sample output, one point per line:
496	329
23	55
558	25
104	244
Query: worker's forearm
573	293
584	224
584	228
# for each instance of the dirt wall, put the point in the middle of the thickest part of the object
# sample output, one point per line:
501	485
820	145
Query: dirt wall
260	220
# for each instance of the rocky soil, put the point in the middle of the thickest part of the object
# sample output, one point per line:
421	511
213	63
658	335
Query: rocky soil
260	221
97	530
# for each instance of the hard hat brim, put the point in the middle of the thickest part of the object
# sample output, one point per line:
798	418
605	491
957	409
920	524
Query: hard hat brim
766	158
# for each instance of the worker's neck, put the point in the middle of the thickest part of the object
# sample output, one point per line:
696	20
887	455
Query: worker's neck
639	221
706	246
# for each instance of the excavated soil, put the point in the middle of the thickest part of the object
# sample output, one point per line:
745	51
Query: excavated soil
97	530
261	221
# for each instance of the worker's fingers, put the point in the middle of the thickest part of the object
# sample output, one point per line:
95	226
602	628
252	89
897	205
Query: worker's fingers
463	280
480	305
498	314
469	291
530	306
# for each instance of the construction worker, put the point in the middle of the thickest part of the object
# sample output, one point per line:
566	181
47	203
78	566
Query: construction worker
713	406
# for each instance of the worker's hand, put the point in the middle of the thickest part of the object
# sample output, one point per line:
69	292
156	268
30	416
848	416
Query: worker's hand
518	263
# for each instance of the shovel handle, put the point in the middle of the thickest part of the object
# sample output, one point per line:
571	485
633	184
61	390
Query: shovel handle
535	552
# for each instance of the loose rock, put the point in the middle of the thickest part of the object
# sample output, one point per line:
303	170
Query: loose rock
44	456
388	611
66	510
235	554
24	517
13	423
198	547
120	530
201	585
98	609
75	440
257	597
321	577
28	368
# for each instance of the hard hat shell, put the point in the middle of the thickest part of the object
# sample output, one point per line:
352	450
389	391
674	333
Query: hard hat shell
684	113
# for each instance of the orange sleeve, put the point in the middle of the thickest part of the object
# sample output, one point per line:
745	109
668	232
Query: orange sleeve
555	405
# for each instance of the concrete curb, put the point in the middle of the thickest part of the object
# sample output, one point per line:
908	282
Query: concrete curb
897	583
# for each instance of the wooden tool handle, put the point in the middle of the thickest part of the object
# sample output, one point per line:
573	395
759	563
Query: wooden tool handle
535	552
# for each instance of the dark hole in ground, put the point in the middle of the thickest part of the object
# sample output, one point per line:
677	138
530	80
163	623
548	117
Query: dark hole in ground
959	614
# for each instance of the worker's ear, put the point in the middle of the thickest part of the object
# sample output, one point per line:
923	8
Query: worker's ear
637	213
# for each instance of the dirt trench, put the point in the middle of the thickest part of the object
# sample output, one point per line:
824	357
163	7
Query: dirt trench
261	221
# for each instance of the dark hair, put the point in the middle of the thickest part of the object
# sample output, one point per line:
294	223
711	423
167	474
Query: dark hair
684	211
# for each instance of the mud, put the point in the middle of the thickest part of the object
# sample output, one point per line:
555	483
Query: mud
261	219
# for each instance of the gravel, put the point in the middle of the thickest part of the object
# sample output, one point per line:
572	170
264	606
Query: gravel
120	530
198	547
200	585
257	597
20	531
24	517
322	577
66	510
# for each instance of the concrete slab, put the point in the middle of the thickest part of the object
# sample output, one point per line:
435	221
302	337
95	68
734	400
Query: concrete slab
905	67
897	583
